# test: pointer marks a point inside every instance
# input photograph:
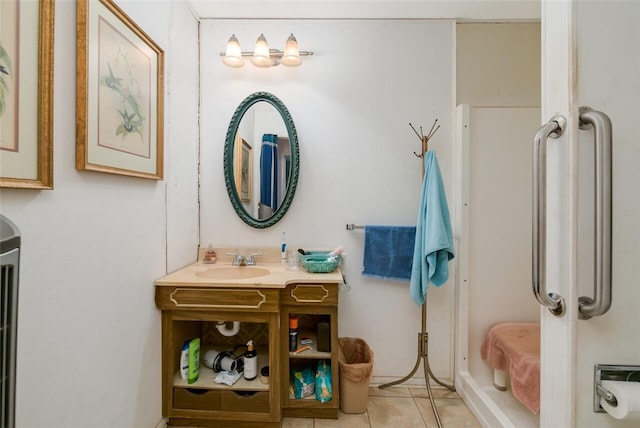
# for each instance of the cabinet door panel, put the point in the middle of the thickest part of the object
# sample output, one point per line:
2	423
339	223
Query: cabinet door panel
203	399
237	402
318	294
241	299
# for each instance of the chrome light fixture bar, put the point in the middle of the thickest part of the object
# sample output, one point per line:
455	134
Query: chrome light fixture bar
262	55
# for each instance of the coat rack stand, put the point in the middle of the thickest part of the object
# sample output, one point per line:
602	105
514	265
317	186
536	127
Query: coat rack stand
423	335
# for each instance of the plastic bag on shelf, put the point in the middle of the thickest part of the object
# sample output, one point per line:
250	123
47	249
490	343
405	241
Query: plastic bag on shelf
323	382
228	377
304	382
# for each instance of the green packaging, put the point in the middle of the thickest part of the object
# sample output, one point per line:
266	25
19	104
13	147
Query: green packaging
194	360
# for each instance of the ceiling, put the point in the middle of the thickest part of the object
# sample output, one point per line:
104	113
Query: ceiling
464	10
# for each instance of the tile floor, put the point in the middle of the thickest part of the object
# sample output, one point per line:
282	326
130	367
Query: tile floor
399	407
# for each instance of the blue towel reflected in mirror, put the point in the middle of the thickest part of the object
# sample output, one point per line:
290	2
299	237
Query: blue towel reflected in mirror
269	171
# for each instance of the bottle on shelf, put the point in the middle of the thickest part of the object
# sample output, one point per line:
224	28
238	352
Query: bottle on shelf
184	361
293	334
250	362
194	361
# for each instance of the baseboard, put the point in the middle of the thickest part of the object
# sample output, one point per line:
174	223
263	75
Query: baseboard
481	405
162	423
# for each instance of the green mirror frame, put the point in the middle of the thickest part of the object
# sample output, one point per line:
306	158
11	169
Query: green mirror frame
229	176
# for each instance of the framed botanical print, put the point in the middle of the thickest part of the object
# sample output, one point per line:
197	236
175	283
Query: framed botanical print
120	94
26	94
243	169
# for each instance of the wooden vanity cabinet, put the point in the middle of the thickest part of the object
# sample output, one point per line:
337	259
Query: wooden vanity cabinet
189	312
311	304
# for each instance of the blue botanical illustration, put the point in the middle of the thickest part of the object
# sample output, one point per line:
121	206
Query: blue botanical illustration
131	117
6	70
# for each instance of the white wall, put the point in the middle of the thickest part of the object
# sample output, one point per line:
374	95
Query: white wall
88	330
351	102
498	64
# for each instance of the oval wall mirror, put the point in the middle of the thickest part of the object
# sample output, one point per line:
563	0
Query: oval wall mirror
261	160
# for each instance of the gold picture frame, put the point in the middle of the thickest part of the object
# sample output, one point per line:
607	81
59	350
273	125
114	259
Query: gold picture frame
243	169
26	56
120	94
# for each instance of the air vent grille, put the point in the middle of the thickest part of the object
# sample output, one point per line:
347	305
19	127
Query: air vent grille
7	345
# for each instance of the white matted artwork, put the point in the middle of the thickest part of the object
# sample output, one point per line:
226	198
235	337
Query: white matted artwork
26	56
119	94
243	168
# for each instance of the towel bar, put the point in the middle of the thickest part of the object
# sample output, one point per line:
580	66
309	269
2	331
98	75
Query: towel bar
351	226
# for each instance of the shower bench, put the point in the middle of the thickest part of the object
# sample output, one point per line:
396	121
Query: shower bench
513	350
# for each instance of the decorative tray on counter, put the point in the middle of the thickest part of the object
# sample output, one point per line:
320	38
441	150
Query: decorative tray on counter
320	262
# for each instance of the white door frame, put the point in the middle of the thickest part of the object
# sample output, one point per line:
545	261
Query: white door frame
558	334
590	57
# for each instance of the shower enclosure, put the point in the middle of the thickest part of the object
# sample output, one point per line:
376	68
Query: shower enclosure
494	279
9	263
581	67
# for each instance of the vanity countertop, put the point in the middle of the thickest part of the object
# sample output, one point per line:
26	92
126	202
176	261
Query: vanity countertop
267	273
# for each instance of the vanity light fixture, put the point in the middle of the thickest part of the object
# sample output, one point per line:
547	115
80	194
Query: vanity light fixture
262	55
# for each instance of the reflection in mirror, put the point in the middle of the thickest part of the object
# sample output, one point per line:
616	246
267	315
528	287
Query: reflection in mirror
261	160
262	127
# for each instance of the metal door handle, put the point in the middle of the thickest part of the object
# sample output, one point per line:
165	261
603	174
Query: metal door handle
552	301
601	302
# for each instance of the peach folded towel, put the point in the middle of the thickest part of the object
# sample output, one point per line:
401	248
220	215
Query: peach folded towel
515	347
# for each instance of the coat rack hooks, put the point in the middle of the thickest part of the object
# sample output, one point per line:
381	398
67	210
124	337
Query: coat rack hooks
424	139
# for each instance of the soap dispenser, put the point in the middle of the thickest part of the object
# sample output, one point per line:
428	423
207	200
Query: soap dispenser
209	255
250	362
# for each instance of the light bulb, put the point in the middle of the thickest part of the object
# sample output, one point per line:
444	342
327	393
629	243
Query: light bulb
261	56
291	56
233	55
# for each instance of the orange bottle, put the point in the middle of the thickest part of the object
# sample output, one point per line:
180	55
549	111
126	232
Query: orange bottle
293	334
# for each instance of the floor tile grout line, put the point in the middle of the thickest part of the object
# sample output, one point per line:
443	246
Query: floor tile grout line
424	420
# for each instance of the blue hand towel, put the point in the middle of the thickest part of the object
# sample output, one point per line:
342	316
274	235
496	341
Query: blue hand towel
388	252
269	171
434	241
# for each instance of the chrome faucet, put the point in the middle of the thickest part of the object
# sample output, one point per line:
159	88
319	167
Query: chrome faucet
240	260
